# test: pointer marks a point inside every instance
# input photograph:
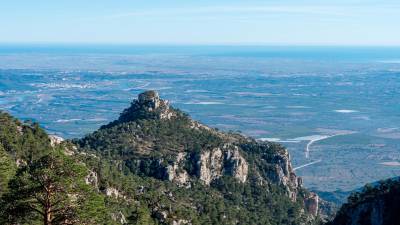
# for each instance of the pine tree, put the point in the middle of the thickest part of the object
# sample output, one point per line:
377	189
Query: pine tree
140	216
52	190
7	169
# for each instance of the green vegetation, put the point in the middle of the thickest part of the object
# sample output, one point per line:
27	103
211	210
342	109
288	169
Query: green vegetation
140	216
142	146
19	143
7	170
52	190
149	137
47	187
23	141
375	204
119	174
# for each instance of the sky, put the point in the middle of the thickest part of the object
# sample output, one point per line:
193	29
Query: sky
253	22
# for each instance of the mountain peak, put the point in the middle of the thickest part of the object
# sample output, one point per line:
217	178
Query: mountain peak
148	105
150	98
151	139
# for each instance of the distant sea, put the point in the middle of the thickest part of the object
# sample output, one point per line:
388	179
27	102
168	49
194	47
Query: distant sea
335	108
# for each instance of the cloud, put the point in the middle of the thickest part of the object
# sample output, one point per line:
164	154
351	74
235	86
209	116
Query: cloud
321	10
255	10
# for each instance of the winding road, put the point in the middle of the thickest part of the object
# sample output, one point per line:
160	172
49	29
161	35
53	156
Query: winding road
308	164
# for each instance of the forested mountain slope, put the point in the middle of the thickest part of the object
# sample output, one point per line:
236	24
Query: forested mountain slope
153	165
217	177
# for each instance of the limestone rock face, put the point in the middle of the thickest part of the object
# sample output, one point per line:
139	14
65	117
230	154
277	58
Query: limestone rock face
119	217
55	140
222	161
151	99
147	106
239	167
283	174
376	204
92	179
177	174
210	165
113	192
311	203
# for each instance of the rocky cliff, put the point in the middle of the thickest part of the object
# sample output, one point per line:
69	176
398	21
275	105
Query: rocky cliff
153	139
156	165
221	155
377	204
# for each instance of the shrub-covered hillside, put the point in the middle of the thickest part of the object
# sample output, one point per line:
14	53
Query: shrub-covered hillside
153	165
216	177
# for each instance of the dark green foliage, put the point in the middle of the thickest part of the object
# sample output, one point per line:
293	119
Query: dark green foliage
23	141
20	142
141	144
132	155
150	137
256	204
136	149
52	189
7	170
44	179
379	203
140	215
224	202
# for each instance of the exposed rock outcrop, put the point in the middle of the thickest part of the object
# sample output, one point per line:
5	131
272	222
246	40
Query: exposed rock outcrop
374	205
180	222
222	161
92	179
177	174
149	99
113	192
210	165
119	217
20	162
147	106
153	139
283	174
55	140
311	203
238	166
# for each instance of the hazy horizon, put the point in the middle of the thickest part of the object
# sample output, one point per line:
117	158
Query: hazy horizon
172	44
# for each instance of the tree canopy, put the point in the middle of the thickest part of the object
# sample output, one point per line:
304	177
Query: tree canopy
52	190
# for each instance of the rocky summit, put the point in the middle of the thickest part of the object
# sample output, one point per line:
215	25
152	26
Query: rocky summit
153	139
156	165
152	165
147	106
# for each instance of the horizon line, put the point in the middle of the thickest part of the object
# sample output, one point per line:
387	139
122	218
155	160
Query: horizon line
187	44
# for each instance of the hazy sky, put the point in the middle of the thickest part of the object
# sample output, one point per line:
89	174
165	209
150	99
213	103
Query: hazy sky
322	22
